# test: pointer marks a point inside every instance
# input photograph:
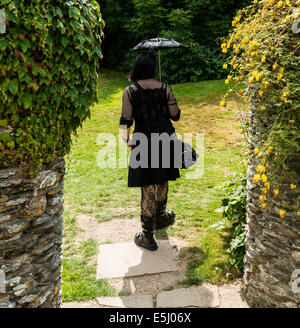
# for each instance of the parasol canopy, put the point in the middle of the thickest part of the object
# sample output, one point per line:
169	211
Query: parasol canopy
158	44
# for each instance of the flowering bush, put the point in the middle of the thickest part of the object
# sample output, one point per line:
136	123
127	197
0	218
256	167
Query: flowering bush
264	56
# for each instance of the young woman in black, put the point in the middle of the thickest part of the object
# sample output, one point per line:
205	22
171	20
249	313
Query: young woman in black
151	105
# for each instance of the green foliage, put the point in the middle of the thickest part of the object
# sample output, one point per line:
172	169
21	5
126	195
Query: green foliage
49	57
234	212
198	23
264	56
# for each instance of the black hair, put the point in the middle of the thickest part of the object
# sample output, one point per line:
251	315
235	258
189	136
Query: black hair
144	67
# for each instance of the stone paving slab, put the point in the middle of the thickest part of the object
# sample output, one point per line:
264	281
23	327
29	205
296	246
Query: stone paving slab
128	260
230	297
204	296
81	305
131	301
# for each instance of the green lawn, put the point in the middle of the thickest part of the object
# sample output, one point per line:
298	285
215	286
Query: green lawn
103	193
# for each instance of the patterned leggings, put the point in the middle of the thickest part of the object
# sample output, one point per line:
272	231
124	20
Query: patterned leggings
150	195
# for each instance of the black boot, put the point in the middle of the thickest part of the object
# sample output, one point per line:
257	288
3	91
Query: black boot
163	217
145	239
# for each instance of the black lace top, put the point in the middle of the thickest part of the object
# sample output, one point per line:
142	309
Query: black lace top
151	104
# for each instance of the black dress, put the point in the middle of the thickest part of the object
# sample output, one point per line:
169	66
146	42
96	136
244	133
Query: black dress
151	107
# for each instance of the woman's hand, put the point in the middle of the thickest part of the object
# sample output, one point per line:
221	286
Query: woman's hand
129	143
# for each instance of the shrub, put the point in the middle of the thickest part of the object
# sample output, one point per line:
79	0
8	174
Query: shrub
49	59
233	210
264	55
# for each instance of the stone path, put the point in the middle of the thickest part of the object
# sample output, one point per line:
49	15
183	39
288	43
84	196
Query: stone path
204	296
143	275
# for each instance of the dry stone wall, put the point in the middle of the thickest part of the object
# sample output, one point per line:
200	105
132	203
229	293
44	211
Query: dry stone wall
31	231
272	262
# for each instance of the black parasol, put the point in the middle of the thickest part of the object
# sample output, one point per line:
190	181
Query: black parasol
158	44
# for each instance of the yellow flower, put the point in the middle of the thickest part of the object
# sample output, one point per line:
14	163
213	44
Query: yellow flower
225	66
262	199
256	151
276	192
254	54
282	213
264	178
284	96
270	149
228	45
279	77
280	4
224	50
223	45
296	15
263	108
250	152
235	66
223	103
256	178
251	79
275	66
267	185
281	69
263	60
293	186
226	81
261	93
265	84
288	2
263	205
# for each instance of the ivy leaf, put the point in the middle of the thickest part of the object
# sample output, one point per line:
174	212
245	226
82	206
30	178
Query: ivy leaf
13	86
3	44
27	101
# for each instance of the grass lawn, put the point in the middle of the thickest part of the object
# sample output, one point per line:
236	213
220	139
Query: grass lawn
103	193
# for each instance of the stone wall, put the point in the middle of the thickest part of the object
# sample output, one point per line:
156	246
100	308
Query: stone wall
272	243
31	228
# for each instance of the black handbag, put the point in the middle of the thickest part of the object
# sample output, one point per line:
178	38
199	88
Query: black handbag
187	155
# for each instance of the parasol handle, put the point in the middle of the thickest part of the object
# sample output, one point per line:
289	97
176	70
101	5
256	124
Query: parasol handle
159	64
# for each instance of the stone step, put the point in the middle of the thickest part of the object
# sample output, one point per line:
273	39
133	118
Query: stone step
128	260
205	296
132	301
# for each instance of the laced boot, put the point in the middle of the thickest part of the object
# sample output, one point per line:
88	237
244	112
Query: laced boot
163	217
145	238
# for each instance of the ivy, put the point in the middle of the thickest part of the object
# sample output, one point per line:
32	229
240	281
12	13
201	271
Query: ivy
49	59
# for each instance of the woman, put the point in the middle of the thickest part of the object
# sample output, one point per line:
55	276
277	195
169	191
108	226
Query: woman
151	104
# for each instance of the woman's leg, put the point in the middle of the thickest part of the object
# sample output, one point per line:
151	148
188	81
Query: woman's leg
161	192
145	238
163	218
148	201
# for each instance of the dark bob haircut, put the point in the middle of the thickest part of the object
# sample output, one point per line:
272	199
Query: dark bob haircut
144	67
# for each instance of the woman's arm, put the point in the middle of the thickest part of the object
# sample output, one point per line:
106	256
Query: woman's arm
126	120
174	110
